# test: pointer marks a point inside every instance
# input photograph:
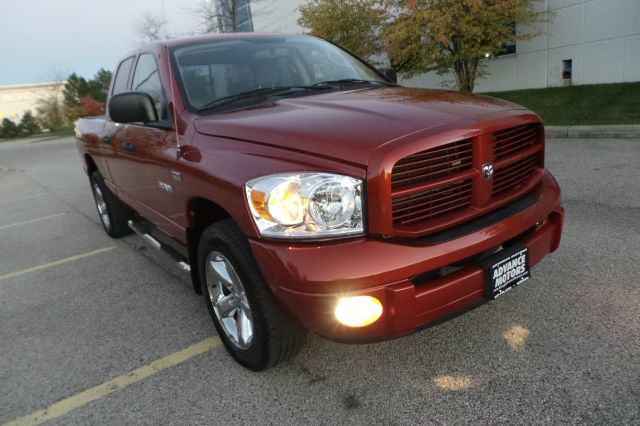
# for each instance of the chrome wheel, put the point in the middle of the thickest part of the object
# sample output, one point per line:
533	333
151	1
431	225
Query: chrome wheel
229	300
102	206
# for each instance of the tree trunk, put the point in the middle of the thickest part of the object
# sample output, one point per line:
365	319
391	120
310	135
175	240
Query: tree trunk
234	16
465	71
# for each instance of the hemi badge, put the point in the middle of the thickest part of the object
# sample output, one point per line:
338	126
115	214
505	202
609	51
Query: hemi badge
176	175
165	187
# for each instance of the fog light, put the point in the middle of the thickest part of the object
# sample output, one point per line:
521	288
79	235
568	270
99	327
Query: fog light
358	311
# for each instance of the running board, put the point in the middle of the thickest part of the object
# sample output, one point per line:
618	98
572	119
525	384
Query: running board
145	234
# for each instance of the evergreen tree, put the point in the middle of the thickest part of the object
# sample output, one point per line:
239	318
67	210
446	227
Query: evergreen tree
28	125
9	129
99	85
75	88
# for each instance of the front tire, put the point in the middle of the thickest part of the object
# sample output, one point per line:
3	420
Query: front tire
253	327
113	214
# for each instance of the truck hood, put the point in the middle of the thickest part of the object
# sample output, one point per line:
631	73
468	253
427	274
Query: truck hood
350	125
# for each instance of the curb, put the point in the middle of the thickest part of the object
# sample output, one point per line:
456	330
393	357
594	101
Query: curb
628	131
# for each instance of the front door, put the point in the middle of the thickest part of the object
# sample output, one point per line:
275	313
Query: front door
148	177
145	155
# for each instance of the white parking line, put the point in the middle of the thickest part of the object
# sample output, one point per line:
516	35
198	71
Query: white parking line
22	198
54	263
38	219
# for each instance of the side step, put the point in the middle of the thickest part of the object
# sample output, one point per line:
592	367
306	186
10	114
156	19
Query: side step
145	234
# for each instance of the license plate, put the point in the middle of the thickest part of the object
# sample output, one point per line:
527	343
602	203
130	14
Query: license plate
505	270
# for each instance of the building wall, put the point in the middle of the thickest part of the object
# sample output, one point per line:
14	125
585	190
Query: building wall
279	16
18	99
600	37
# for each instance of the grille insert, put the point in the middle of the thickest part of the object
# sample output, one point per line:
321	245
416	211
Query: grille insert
514	175
509	142
432	164
430	204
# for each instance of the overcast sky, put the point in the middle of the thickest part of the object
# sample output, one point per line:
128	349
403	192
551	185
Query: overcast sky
43	39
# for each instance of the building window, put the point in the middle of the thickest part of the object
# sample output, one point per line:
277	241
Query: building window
229	11
509	47
567	69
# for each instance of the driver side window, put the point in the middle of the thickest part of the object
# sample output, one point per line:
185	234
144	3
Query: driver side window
147	79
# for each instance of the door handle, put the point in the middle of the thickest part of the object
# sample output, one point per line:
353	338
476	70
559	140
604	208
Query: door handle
128	146
106	139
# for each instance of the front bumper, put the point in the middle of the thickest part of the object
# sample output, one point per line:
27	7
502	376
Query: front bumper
309	278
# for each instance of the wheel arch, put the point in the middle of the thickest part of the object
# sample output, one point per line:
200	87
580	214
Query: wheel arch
90	165
201	212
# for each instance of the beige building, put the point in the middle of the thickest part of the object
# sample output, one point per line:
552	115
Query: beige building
18	99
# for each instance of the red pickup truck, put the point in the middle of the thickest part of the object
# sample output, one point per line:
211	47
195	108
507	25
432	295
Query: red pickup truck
304	189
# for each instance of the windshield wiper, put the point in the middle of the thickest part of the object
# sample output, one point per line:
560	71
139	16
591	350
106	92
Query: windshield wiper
260	93
349	81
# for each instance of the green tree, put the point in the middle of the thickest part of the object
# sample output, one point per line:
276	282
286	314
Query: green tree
28	125
9	129
353	24
75	88
50	111
99	85
454	35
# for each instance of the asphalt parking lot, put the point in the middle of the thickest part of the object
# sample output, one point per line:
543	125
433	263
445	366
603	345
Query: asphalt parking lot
80	311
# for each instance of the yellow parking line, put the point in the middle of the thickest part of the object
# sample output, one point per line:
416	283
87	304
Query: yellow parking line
38	219
26	197
54	263
5	185
63	407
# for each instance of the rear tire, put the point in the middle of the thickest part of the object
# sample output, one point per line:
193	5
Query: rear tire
113	214
253	327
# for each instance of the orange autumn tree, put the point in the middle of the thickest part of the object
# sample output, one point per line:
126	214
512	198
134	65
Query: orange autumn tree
353	24
454	35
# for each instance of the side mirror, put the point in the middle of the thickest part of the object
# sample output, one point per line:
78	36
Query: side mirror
389	73
132	107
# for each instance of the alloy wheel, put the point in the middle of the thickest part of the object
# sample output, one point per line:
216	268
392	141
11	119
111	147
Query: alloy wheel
102	206
229	300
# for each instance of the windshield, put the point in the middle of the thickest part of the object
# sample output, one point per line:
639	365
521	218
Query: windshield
210	72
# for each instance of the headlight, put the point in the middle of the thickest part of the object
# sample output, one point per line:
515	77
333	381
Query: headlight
306	205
